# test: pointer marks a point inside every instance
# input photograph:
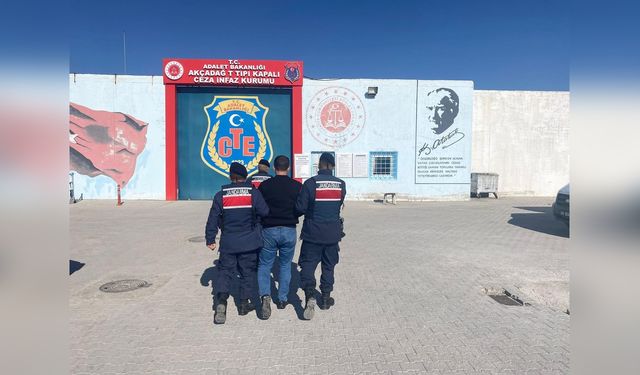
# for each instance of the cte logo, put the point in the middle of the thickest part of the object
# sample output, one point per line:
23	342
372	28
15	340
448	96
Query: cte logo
236	132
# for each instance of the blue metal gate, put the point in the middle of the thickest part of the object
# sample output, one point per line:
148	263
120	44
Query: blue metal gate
219	125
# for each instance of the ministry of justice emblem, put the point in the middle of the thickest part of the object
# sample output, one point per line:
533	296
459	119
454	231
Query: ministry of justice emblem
236	132
335	116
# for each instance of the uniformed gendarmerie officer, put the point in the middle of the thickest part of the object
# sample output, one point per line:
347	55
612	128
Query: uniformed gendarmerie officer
320	201
262	175
235	209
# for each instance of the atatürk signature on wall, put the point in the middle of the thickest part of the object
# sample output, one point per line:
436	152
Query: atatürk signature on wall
446	141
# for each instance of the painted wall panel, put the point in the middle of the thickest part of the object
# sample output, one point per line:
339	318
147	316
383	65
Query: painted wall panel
389	125
111	97
443	134
523	136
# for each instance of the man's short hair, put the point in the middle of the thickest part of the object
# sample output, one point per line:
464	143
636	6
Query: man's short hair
281	163
326	158
237	177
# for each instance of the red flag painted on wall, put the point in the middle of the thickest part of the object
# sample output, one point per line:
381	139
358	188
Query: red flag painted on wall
105	143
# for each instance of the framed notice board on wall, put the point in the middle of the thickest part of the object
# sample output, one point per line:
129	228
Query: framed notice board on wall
360	165
302	166
344	165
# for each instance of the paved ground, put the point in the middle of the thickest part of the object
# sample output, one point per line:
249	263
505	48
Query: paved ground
410	294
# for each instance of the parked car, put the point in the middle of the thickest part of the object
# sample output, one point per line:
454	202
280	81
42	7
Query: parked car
561	205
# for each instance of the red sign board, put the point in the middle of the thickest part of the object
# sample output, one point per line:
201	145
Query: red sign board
231	72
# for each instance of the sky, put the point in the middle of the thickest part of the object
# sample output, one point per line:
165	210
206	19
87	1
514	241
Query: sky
500	45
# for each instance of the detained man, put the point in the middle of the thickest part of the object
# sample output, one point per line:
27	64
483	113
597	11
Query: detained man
279	234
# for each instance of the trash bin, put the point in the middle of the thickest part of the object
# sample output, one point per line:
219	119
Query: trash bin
484	183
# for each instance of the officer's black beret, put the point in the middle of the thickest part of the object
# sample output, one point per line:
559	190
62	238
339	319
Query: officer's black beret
264	162
327	158
239	169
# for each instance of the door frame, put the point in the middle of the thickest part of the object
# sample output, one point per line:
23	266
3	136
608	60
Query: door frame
186	72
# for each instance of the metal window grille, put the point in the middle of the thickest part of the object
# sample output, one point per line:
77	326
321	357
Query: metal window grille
383	165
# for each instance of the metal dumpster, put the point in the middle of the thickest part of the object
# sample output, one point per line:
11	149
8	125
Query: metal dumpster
484	183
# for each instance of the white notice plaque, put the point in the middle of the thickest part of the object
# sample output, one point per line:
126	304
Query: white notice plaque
360	165
302	166
344	167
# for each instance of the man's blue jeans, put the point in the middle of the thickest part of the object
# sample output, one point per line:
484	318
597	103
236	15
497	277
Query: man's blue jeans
276	238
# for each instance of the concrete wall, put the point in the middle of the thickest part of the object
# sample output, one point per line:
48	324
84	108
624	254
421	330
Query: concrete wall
524	137
521	135
110	96
389	125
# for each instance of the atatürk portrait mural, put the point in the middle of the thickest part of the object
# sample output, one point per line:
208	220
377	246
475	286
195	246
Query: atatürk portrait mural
442	109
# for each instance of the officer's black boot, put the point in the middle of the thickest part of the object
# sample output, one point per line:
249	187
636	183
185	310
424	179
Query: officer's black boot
245	307
266	307
220	315
326	301
310	304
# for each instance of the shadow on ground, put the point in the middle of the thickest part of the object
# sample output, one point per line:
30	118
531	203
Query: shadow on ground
74	266
210	275
293	298
541	220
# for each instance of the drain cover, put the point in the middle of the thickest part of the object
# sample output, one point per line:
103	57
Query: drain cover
196	239
123	286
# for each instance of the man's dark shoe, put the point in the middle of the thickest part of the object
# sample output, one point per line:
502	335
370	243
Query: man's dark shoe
310	304
245	307
266	307
220	315
281	304
326	301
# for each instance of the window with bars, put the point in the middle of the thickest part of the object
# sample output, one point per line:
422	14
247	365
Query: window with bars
383	165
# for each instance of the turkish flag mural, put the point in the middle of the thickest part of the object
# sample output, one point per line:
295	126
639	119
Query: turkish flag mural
105	143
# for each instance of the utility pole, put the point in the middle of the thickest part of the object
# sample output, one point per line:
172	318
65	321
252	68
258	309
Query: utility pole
124	50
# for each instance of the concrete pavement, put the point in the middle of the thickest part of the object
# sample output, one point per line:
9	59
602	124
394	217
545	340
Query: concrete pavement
410	294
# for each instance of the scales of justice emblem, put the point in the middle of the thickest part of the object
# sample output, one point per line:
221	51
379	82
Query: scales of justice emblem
236	132
335	116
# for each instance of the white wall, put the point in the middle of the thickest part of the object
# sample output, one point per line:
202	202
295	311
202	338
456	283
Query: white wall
390	126
138	96
521	135
524	137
